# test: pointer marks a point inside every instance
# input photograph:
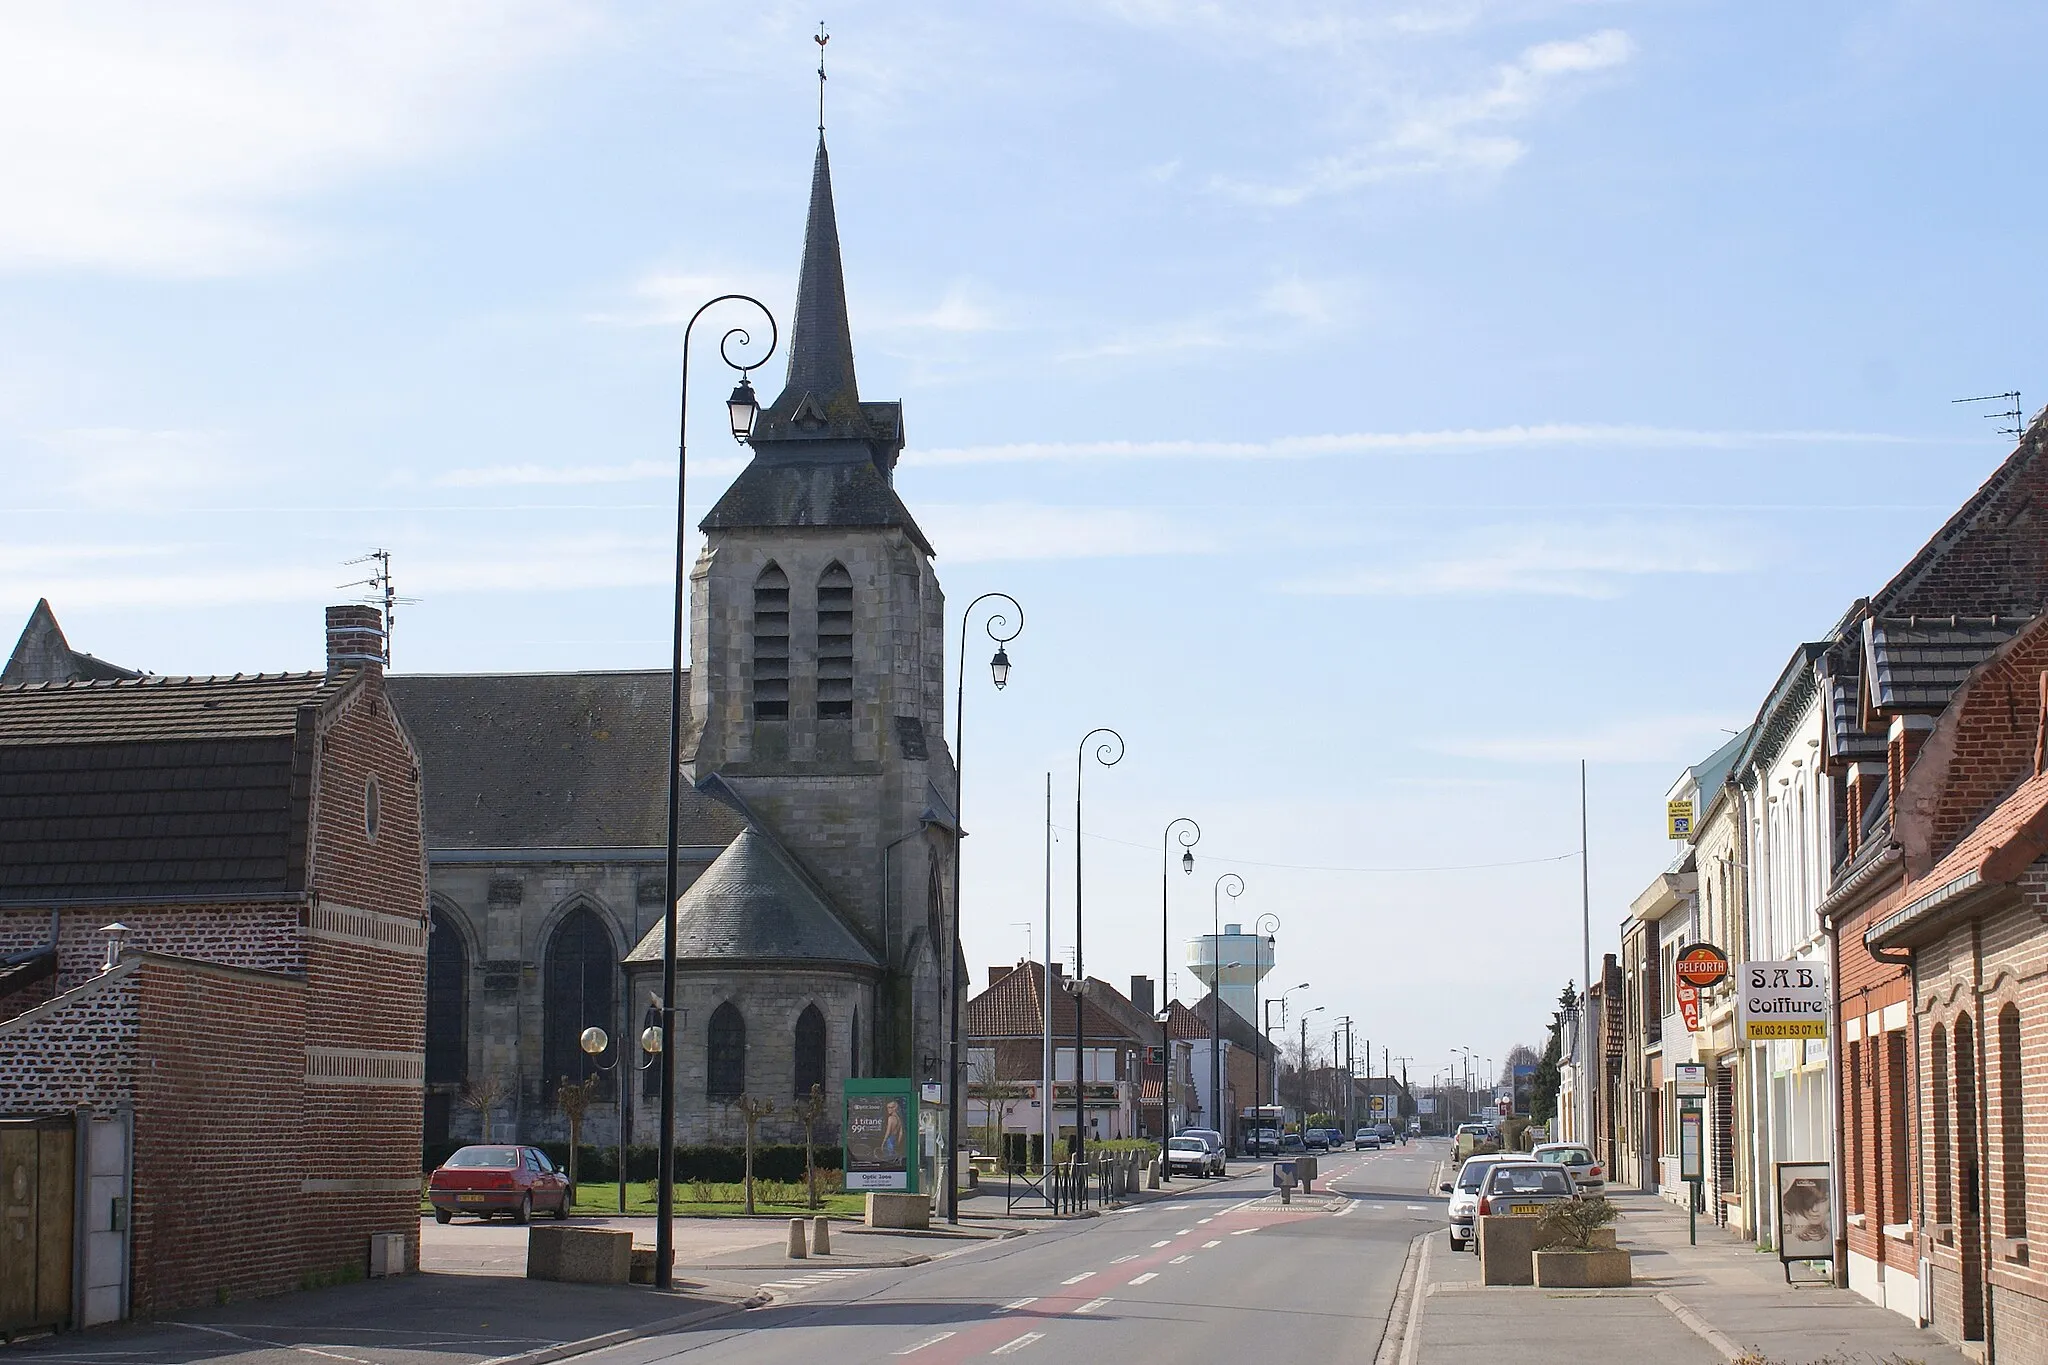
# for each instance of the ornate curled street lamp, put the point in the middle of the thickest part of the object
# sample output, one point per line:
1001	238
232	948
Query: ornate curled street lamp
1108	753
594	1041
1188	838
1235	886
1262	957
1002	632
740	410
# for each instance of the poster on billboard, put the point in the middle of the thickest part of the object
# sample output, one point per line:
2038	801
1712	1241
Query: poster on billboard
1782	1000
1806	1214
880	1128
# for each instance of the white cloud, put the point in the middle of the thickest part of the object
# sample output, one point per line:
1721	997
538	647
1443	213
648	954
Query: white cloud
1631	739
143	137
1398	442
125	468
985	532
718	467
1589	561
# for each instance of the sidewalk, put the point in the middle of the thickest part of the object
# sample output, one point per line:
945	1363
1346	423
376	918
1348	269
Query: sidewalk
1704	1304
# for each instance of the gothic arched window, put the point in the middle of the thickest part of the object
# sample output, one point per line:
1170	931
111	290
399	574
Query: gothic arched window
725	1059
447	1002
771	645
935	905
810	1050
582	970
835	643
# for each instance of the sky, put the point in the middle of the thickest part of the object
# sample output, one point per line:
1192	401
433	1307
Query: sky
1376	408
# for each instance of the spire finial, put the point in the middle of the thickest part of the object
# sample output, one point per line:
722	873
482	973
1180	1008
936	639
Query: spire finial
822	39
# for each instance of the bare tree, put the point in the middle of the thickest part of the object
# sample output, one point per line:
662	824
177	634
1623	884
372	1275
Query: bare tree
751	1112
483	1095
574	1097
809	1111
995	1091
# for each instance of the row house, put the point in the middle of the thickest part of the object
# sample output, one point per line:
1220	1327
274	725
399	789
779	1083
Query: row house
1006	1091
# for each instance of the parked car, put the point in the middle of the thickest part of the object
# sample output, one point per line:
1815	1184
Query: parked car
1208	1135
489	1179
1264	1142
1586	1172
1386	1132
1316	1139
1522	1187
1365	1140
1464	1193
1292	1145
1193	1156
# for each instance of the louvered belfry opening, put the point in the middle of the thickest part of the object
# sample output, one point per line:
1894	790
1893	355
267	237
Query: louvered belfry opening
835	643
771	645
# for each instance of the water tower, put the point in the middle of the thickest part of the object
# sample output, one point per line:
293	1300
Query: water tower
1211	956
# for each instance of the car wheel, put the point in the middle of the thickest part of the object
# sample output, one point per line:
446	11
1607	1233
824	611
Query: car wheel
1457	1245
562	1208
442	1215
524	1213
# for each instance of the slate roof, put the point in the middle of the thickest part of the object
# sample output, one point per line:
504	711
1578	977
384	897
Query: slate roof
1916	663
549	760
753	905
43	655
148	787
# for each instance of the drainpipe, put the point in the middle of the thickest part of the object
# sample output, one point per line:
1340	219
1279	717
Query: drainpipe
1977	1137
1835	1045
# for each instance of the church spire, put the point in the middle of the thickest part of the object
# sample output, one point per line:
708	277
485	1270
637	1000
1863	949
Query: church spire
820	339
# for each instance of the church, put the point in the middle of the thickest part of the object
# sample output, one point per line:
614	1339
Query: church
817	828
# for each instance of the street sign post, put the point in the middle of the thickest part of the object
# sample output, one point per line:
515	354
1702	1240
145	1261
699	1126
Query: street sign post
1691	1164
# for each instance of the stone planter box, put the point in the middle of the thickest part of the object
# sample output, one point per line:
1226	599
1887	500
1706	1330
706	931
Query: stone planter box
579	1255
1602	1269
890	1210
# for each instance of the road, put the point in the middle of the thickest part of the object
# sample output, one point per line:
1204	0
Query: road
1220	1272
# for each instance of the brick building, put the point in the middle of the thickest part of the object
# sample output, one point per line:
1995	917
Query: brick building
236	1062
1005	1040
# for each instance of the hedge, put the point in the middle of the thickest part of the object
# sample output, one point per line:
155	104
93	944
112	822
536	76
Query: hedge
722	1163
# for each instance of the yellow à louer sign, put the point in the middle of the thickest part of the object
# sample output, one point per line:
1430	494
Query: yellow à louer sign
1678	819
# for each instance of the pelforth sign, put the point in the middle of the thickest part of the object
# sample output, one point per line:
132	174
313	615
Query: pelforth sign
1783	1000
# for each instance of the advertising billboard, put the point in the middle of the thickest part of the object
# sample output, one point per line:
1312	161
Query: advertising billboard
880	1134
1780	1000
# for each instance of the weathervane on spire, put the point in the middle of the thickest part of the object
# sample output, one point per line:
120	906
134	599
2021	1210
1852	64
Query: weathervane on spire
822	39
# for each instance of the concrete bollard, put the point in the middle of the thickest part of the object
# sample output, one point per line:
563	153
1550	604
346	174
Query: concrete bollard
797	1251
1152	1177
821	1235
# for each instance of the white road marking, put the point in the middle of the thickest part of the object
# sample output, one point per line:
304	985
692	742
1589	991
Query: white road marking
1092	1305
1148	1275
1205	1220
1015	1304
1348	1208
1167	1242
1178	1259
1084	1275
1217	1243
1183	1232
1415	1208
1019	1344
1239	1233
1178	1208
1127	1256
928	1341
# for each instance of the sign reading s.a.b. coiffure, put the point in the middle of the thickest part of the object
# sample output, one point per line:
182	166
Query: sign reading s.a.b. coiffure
1781	1000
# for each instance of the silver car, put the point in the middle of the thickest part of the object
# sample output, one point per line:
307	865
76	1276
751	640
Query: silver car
1464	1193
1586	1172
1523	1188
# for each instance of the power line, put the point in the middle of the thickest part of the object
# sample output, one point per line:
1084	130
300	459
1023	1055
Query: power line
1319	867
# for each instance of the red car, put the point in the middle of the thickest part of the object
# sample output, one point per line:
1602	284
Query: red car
489	1179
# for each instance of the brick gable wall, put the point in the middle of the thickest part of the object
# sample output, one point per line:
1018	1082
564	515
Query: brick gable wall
72	1053
1993	555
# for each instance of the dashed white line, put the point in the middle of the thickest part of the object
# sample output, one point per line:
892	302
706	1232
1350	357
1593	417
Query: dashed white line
1239	1233
1217	1243
1346	1209
1167	1243
1092	1305
1205	1220
1148	1275
1127	1256
1084	1275
928	1341
1178	1208
1019	1344
1178	1259
1015	1304
1183	1232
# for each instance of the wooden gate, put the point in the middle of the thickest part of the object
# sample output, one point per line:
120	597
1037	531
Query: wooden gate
37	1196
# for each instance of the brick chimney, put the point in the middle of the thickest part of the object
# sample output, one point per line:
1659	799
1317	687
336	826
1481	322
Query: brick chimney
355	639
1141	995
1902	746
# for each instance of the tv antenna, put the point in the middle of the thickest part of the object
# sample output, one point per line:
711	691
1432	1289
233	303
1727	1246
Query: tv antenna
2008	411
383	593
1025	925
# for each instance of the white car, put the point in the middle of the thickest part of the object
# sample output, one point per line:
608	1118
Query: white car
1208	1135
1365	1140
1193	1156
1586	1172
1464	1192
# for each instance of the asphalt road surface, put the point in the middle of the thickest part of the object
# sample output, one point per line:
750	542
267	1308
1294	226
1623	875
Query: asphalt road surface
1219	1272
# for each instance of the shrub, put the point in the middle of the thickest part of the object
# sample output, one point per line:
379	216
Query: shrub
1569	1224
710	1161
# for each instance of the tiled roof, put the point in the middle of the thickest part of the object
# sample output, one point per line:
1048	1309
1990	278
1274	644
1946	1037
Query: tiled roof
2003	845
156	786
1014	1007
549	760
1916	663
752	905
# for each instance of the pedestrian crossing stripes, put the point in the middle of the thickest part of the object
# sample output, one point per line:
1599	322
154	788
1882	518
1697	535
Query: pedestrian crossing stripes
814	1279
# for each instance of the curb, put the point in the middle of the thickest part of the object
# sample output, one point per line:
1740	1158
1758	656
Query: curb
1699	1326
1411	1333
791	1263
567	1349
1393	1340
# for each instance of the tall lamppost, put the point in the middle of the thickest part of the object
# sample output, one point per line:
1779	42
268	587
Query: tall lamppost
594	1041
1188	837
999	672
741	409
1108	753
1262	954
1235	885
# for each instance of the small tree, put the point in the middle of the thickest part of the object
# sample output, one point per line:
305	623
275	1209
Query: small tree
752	1111
808	1111
1568	1225
483	1095
987	1083
574	1097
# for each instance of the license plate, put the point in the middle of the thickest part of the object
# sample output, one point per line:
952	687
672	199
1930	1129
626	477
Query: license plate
1526	1210
469	1199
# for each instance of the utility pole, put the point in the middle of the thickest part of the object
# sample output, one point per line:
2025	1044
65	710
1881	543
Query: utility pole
1584	1060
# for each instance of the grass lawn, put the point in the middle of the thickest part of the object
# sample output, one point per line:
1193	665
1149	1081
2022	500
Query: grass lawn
707	1200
